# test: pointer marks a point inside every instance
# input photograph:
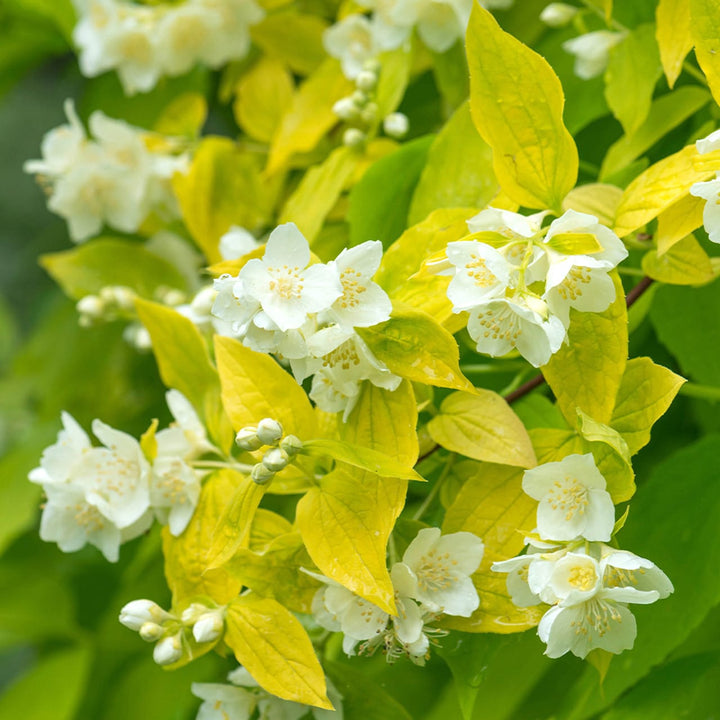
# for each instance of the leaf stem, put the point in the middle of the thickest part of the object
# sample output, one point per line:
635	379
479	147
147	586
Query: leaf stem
704	392
435	488
690	69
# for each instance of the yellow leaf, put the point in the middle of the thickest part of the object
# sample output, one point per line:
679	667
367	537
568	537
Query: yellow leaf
517	105
266	526
685	263
458	171
395	68
263	95
492	505
645	393
222	188
310	115
572	243
661	185
705	30
187	556
482	426
233	267
416	347
184	364
678	221
586	372
318	191
148	441
184	116
598	199
255	387
272	645
674	36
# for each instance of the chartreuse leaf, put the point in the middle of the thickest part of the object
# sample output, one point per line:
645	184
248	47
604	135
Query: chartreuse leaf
222	188
678	221
674	36
395	68
645	393
492	505
310	114
705	31
458	172
661	185
482	426
517	104
318	191
184	364
572	243
255	387
148	441
406	256
276	572
266	526
684	263
632	71
586	372
359	457
598	199
105	261
346	521
269	641
262	97
187	557
416	347
184	116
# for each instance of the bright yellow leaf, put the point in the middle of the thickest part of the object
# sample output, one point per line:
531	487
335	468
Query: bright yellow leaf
674	36
705	30
678	221
685	263
184	116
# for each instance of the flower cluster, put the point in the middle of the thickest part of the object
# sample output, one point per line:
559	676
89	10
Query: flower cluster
518	281
568	565
144	43
307	314
112	178
239	700
171	634
108	495
433	579
710	190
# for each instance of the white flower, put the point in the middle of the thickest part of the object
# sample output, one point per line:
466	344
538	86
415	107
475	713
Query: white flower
186	437
498	326
591	52
708	144
396	125
224	702
640	577
438	569
285	287
174	492
237	242
481	273
517	581
182	36
58	462
710	191
573	501
233	305
558	14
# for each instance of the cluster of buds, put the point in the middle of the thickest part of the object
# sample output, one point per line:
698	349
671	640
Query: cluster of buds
282	448
361	109
170	633
112	302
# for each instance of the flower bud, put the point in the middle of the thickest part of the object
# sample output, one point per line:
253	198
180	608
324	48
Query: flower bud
137	336
173	297
366	80
396	125
91	306
558	14
360	99
138	612
276	460
150	631
353	137
261	475
345	109
121	296
168	650
247	438
369	113
292	445
269	431
192	613
209	626
373	65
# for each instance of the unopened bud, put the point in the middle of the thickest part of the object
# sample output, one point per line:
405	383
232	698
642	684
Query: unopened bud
138	612
209	626
353	137
558	14
360	99
372	65
192	613
122	297
292	445
366	80
173	297
137	335
150	631
91	306
269	431
168	650
345	109
247	438
369	113
276	460
396	125
261	475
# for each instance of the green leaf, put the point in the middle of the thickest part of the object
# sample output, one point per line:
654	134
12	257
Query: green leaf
184	116
684	263
632	71
458	172
273	646
482	426
674	36
451	75
517	105
395	67
88	268
586	372
379	203
416	347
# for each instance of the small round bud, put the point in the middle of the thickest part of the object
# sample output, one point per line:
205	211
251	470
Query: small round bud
91	306
353	137
366	80
396	125
192	613
209	626
345	109
269	431
202	303
122	297
369	113
138	612
261	475
168	650
276	460
150	631
558	14
173	297
360	99
136	335
292	445
372	65
247	438
107	294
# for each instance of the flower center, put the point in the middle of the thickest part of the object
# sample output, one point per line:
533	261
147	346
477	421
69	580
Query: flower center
571	286
434	571
582	577
344	357
618	577
570	496
286	282
499	325
597	617
89	517
352	289
478	271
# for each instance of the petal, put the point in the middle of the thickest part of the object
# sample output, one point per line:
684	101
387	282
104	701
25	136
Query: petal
465	549
460	598
424	541
599	516
364	258
287	246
